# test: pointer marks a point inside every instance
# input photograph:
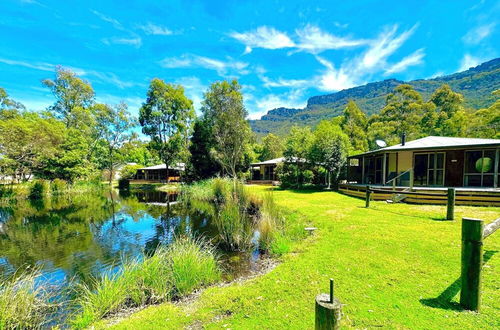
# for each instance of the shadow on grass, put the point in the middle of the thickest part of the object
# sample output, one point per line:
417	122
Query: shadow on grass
444	300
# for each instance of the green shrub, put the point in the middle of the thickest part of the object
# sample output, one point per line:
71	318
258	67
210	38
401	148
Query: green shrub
129	171
193	263
58	186
185	265
22	304
38	189
124	184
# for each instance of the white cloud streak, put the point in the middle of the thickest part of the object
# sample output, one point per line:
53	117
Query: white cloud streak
292	99
469	61
478	34
312	39
153	29
263	37
135	41
223	68
410	60
109	19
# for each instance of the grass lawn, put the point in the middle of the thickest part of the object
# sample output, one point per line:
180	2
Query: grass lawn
395	266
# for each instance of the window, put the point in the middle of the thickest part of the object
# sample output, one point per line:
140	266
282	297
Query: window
480	168
429	169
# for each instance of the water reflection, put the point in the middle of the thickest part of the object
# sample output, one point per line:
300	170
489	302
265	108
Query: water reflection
77	236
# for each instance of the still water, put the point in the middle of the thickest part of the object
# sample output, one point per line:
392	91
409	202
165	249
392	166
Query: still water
76	237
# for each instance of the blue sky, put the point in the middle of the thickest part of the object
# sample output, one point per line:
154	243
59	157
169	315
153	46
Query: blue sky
282	52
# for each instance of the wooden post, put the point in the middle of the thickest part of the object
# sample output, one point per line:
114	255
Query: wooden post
450	210
328	311
368	196
472	262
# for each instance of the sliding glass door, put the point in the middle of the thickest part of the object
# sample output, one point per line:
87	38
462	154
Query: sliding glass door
428	169
480	168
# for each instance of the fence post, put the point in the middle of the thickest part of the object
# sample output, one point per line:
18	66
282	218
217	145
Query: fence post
368	196
328	311
472	262
450	210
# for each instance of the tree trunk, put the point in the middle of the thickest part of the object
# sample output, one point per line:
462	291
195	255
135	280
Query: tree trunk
111	168
168	178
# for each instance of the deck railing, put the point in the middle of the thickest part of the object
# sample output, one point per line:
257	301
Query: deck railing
394	180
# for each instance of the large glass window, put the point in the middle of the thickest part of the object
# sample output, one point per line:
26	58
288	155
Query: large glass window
428	169
480	168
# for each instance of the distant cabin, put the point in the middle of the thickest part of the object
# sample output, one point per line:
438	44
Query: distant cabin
265	172
158	173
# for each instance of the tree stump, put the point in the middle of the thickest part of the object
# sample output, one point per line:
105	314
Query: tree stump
328	313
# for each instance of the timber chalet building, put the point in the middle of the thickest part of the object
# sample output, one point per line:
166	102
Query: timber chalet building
432	163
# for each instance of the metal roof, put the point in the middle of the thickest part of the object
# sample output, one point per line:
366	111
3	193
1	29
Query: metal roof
178	166
270	161
438	142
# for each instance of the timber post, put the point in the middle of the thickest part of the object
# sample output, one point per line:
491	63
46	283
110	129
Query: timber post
450	209
368	196
328	311
472	262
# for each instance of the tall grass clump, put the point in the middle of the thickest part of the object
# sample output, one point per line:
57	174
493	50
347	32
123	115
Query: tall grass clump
22	304
194	264
271	222
58	186
173	271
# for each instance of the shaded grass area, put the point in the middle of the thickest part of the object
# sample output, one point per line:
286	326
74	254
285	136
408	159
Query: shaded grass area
394	267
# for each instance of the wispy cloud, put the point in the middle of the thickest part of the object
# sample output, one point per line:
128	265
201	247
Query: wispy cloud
194	89
469	61
479	33
384	46
133	41
104	77
292	99
312	39
280	82
263	37
154	29
410	60
223	68
108	19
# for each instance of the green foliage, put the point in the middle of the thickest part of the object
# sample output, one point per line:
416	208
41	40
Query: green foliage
38	189
58	186
354	124
166	117
129	171
23	305
297	151
201	164
271	147
185	265
224	112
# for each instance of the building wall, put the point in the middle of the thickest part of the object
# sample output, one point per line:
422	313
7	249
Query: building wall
405	160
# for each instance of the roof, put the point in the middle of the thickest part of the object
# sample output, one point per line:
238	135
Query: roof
270	161
438	142
178	166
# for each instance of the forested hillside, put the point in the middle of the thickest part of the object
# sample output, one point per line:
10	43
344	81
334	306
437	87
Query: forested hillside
475	84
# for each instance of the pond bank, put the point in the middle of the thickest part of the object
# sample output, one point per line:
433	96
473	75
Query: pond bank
386	261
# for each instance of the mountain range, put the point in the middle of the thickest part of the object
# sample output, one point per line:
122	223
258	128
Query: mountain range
476	84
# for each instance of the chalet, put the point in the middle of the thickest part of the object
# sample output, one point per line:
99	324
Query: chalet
430	163
265	172
158	173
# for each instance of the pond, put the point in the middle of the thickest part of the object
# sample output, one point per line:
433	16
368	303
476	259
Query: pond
76	237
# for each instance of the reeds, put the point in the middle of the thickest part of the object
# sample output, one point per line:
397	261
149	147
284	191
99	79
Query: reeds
22	304
174	271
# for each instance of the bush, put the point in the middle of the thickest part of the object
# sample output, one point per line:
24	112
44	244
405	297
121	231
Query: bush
177	270
124	184
38	189
22	304
129	171
58	186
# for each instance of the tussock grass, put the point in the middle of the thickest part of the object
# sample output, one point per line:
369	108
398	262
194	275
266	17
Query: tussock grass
22	304
173	271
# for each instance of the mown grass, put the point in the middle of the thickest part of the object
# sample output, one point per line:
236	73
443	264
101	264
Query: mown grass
174	271
395	266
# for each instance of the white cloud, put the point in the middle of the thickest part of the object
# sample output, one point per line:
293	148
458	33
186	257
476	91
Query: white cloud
194	61
35	65
292	99
335	80
108	19
136	41
263	37
469	61
477	34
312	39
384	46
280	82
154	29
410	60
194	89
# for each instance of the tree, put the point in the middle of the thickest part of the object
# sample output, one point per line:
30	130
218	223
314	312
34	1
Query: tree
202	164
224	111
402	113
271	147
26	139
297	152
354	124
136	151
449	117
74	96
330	148
166	117
485	123
115	124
